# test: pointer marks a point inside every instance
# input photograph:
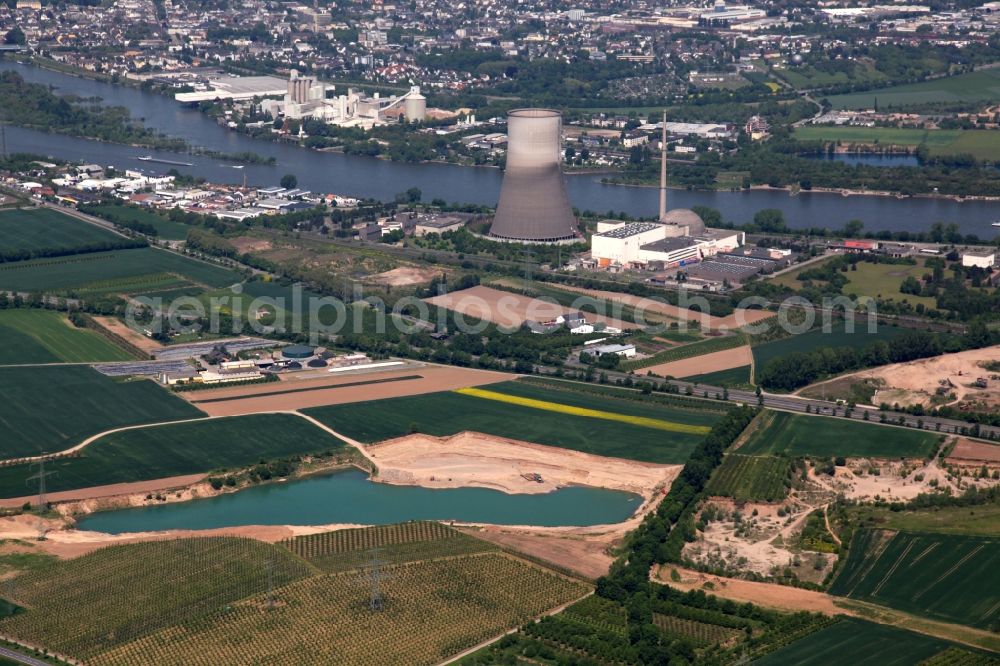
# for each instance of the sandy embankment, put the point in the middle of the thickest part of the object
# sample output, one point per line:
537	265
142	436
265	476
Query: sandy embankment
471	459
700	365
511	310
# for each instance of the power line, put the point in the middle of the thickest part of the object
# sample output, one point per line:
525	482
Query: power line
375	576
40	475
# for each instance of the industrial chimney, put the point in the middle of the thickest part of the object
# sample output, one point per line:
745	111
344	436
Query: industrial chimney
533	204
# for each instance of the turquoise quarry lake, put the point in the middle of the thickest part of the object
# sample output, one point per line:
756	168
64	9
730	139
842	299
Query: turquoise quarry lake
350	497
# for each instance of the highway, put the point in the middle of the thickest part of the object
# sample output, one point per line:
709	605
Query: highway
794	403
22	658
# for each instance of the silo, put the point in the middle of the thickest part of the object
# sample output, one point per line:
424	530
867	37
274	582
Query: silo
415	106
533	203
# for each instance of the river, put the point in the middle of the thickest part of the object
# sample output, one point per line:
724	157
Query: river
381	179
349	497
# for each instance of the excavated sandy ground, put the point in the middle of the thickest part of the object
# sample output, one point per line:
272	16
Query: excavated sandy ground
405	276
432	378
510	310
478	460
119	328
741	317
700	365
923	377
764	594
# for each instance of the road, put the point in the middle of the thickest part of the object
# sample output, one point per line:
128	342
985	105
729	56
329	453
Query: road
22	658
794	403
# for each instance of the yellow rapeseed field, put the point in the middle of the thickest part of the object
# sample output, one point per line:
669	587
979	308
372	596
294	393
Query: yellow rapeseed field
643	421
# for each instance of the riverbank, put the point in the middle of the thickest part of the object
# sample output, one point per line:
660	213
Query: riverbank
794	191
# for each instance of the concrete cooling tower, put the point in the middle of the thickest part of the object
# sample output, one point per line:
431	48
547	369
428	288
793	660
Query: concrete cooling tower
533	204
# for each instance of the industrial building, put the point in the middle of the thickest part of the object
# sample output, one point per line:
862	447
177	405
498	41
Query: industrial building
233	88
305	97
534	206
979	259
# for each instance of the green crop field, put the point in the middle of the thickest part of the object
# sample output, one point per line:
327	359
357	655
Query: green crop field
817	338
883	280
165	228
853	642
237	601
45	409
826	436
733	377
752	478
950	577
182	448
981	144
44	336
982	86
34	229
449	412
120	271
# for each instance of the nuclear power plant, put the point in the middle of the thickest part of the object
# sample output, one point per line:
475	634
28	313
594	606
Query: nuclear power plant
533	206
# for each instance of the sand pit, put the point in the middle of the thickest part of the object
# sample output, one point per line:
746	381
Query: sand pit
432	378
134	338
741	317
700	365
968	452
472	459
511	310
405	276
923	377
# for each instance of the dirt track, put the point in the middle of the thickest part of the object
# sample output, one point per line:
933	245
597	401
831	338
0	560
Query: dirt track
700	365
433	378
510	310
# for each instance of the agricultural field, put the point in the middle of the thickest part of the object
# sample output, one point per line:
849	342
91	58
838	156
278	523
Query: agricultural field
981	144
804	77
752	478
817	338
400	543
165	228
136	271
226	600
739	377
44	336
982	86
110	597
173	450
954	578
825	436
685	351
636	431
853	642
42	230
46	409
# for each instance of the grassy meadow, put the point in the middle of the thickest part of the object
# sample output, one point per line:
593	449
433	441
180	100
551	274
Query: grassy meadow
981	144
165	228
982	86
